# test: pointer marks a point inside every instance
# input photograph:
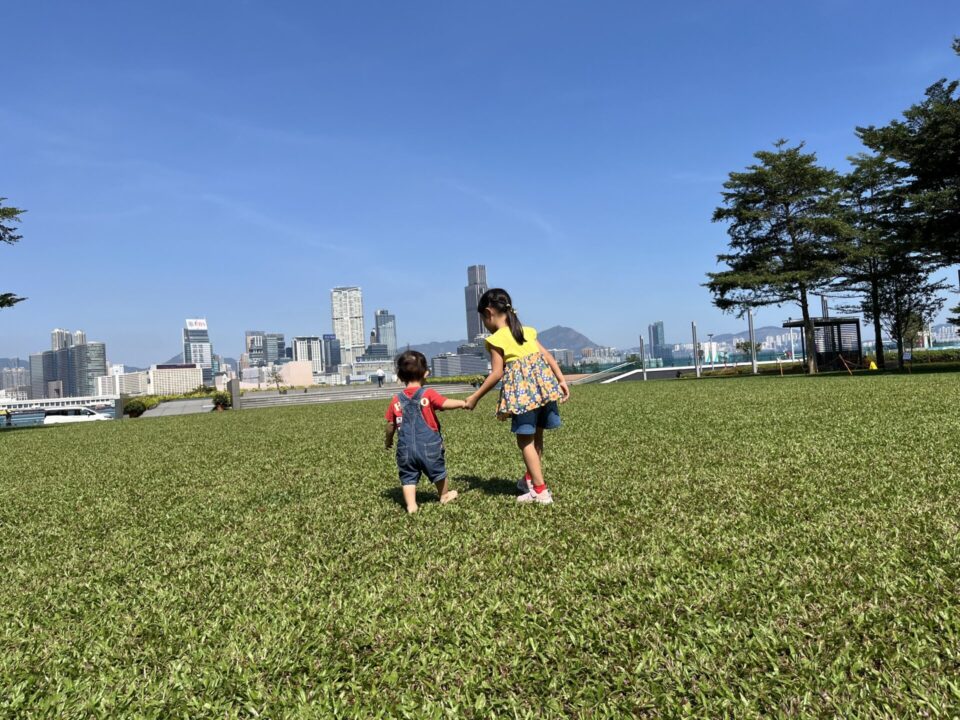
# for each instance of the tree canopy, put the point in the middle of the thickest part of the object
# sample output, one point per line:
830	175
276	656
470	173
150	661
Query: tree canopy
9	216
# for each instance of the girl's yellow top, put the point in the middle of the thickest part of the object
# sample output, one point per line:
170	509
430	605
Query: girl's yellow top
504	341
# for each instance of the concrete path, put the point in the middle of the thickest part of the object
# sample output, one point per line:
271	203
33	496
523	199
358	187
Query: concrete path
180	407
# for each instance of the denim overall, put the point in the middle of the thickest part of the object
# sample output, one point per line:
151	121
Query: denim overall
419	447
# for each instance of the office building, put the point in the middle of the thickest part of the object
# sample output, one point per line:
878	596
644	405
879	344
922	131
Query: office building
274	348
309	348
479	349
71	371
476	287
332	356
254	346
197	349
175	379
656	339
386	331
449	365
376	352
347	313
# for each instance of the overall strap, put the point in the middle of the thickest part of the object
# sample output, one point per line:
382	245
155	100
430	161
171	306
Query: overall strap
406	401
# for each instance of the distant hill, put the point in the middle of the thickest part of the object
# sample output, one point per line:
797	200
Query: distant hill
563	337
432	349
12	362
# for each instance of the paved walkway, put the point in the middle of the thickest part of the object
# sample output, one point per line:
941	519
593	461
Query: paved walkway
180	407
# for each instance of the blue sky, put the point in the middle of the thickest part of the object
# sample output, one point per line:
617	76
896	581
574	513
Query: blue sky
236	160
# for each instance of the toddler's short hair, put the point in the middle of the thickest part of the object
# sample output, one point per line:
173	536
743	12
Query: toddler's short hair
411	366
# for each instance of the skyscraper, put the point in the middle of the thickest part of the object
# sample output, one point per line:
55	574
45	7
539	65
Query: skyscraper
71	371
331	353
79	337
347	310
656	339
274	348
197	348
386	333
476	286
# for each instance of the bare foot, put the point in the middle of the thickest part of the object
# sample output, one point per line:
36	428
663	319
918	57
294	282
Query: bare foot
448	497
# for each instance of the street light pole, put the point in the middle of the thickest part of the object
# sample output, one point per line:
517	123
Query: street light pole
643	359
753	342
696	349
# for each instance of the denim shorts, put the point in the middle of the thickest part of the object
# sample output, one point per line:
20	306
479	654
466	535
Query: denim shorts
546	417
428	460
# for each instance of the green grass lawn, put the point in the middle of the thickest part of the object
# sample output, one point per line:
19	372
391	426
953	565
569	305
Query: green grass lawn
756	547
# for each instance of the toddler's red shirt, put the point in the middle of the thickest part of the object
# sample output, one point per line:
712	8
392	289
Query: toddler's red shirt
434	400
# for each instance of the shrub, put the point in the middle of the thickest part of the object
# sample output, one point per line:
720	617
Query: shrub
135	408
457	380
222	399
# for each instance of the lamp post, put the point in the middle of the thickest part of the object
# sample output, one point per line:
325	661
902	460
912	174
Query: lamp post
710	349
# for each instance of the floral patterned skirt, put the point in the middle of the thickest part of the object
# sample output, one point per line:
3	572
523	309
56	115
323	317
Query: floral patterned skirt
528	383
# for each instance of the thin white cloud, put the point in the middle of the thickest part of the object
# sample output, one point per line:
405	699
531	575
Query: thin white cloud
529	217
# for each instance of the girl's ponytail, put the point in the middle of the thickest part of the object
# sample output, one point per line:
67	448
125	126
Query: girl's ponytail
499	300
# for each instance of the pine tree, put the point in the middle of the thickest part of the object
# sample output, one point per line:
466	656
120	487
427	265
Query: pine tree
788	235
9	216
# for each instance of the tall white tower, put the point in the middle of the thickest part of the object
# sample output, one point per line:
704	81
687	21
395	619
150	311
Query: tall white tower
347	306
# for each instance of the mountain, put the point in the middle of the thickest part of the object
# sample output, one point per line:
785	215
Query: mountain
12	362
432	349
175	360
563	337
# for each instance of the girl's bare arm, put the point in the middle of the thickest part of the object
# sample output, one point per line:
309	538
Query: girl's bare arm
555	366
495	376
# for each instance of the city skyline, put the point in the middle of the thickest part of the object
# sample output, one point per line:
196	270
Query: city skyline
577	150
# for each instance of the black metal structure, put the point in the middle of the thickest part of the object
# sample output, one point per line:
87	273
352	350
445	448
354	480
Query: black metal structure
838	342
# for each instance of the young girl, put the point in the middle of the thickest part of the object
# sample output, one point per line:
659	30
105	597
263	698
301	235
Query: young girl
532	386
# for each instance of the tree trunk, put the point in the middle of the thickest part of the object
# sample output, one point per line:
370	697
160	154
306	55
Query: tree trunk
808	332
877	329
899	349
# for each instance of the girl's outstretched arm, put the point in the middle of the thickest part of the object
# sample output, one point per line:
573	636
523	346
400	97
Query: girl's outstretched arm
495	376
555	366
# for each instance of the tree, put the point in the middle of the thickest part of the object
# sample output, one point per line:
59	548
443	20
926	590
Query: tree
743	346
276	377
955	320
788	236
909	301
926	142
874	195
8	217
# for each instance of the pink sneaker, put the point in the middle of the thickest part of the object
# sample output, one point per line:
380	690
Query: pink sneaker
544	498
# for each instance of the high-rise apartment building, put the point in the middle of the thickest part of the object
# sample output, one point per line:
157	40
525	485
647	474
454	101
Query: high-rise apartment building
386	331
347	309
79	337
197	349
476	287
60	338
310	348
14	378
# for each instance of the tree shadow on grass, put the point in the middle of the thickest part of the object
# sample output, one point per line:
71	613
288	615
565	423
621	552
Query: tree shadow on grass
490	486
